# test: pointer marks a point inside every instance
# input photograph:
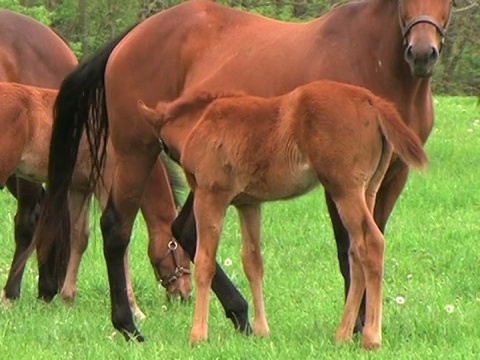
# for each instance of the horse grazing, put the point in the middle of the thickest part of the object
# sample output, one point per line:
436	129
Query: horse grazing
336	134
387	46
33	54
26	120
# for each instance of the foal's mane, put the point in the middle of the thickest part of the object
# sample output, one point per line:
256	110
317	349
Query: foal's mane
193	101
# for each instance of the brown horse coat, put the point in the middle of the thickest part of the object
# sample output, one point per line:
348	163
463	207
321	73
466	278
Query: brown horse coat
387	46
246	150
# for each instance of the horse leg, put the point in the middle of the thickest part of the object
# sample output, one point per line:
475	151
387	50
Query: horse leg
28	197
130	178
137	312
79	204
386	198
343	250
234	304
159	212
209	211
366	255
253	264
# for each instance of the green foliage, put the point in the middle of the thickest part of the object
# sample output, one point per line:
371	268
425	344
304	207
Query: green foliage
457	73
38	12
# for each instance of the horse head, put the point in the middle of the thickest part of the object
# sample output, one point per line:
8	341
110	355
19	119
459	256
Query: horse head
424	24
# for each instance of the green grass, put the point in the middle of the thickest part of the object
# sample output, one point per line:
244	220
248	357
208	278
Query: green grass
432	259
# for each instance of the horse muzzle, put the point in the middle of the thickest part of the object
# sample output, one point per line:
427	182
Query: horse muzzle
422	59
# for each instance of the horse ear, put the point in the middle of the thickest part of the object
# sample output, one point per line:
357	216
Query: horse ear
151	116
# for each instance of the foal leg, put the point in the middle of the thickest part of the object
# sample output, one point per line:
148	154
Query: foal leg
130	177
253	264
28	197
386	198
234	304
209	211
366	255
79	204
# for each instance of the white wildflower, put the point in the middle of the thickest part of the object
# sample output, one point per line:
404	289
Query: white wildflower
409	277
400	300
164	308
470	130
228	262
449	308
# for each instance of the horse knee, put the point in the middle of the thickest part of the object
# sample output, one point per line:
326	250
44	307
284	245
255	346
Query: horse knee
115	241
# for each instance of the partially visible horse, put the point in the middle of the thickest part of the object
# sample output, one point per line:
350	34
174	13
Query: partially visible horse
387	46
246	150
26	119
30	53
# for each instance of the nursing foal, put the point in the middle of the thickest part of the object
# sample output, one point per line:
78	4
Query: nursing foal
246	150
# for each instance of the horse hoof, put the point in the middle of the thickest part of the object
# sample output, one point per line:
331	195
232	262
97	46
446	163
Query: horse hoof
370	342
197	337
68	298
343	337
371	345
6	302
261	330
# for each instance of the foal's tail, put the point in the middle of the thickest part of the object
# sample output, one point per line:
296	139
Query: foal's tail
192	101
80	108
404	141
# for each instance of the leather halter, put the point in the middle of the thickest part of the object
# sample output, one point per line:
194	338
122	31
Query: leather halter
179	269
442	29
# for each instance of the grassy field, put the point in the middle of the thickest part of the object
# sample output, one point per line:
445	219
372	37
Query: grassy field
431	291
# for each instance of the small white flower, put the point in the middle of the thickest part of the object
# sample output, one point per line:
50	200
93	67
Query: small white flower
476	122
228	262
409	277
400	300
164	308
449	308
470	130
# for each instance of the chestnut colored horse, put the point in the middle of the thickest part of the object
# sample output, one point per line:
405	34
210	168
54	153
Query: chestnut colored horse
26	120
388	46
337	134
31	53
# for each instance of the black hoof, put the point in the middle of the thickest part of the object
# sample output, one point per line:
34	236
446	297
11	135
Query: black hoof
46	296
133	336
358	327
240	323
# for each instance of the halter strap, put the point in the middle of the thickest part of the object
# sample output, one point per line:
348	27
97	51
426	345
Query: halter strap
179	269
424	19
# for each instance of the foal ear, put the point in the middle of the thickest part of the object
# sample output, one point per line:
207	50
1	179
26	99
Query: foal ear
151	116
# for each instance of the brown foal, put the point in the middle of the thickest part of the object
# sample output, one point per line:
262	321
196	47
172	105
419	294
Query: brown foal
246	150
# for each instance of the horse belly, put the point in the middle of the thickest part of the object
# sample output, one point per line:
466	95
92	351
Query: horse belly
281	185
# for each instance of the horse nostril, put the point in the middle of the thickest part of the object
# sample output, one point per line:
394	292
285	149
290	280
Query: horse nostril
409	53
434	53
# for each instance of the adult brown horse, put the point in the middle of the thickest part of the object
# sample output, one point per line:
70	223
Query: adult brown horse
339	135
31	53
387	46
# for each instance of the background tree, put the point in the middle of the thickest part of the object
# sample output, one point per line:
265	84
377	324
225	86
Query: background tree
89	24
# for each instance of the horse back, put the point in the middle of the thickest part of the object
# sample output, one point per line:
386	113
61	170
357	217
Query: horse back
32	53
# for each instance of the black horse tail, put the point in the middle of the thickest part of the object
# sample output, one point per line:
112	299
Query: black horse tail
80	108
